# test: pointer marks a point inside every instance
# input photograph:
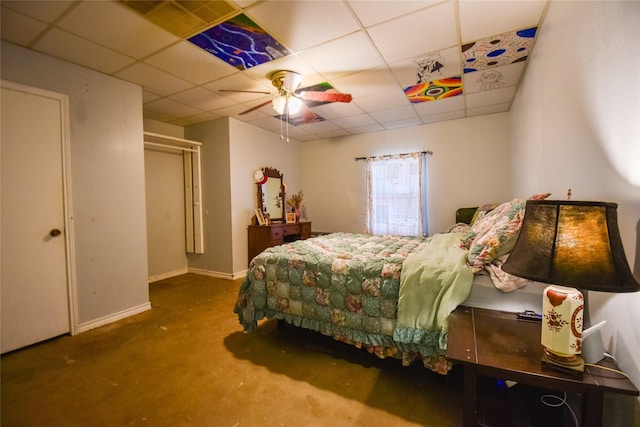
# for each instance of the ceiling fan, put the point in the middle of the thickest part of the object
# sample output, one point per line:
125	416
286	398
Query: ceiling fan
289	100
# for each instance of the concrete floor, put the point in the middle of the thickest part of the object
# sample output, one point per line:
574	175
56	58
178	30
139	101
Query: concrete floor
187	362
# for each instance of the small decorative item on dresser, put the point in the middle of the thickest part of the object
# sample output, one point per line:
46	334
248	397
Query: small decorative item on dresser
295	201
291	218
260	217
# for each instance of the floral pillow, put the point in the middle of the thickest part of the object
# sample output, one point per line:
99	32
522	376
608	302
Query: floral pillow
460	227
487	215
495	234
482	211
482	225
499	239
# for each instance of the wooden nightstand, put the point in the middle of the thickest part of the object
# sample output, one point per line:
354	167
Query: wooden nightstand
499	345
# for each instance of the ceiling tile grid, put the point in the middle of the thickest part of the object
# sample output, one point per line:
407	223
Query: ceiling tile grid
400	60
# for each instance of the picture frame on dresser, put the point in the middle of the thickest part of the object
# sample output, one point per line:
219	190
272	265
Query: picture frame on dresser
291	217
260	217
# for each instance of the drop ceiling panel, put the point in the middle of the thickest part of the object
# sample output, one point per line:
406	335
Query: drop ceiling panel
492	97
46	11
434	118
147	96
337	110
303	24
395	114
203	99
369	82
133	35
438	107
321	127
198	118
493	78
402	123
366	129
429	67
190	62
375	12
67	46
356	121
343	56
425	31
383	100
168	106
333	133
489	109
20	29
153	80
480	19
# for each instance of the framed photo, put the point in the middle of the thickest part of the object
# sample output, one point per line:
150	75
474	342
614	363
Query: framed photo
291	217
260	217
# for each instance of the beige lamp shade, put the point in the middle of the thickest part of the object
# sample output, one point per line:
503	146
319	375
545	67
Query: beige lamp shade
572	243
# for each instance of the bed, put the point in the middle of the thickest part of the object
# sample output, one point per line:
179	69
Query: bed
391	295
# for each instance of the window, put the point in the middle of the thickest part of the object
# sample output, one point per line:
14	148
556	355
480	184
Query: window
396	195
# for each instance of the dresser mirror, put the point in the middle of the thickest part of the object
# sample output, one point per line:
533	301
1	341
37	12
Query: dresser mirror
270	194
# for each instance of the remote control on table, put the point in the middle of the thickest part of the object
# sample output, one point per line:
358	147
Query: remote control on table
529	315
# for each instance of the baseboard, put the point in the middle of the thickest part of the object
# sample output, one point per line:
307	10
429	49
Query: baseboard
218	274
83	327
168	275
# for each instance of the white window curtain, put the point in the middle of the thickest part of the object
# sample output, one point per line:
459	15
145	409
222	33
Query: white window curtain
396	195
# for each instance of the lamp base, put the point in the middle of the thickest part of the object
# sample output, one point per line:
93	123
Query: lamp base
573	365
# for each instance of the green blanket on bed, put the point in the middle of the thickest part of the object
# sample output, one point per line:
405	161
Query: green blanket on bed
434	281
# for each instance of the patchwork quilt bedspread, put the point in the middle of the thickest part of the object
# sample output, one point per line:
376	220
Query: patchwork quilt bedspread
348	286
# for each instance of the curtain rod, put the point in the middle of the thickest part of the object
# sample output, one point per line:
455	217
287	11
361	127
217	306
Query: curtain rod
391	155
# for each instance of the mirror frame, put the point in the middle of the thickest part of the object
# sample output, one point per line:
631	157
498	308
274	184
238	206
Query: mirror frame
274	174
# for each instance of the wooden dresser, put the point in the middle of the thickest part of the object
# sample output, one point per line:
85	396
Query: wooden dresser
262	237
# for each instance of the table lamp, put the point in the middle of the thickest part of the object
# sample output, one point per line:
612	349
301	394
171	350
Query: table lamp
570	244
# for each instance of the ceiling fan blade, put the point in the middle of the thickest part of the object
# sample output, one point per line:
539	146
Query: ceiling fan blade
325	96
245	91
308	115
257	107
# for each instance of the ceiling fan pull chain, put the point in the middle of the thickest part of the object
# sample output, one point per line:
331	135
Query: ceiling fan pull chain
286	108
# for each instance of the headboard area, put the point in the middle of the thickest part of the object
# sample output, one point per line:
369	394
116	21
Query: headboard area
465	215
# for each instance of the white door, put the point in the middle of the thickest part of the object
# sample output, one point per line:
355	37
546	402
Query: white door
33	283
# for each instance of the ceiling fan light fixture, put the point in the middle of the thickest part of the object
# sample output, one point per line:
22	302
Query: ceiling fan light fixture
291	81
280	102
295	104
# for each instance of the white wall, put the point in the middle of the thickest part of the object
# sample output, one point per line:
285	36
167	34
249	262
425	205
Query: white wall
216	197
469	167
575	124
107	180
251	149
162	128
231	152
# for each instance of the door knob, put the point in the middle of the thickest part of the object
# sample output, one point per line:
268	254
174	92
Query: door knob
55	232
